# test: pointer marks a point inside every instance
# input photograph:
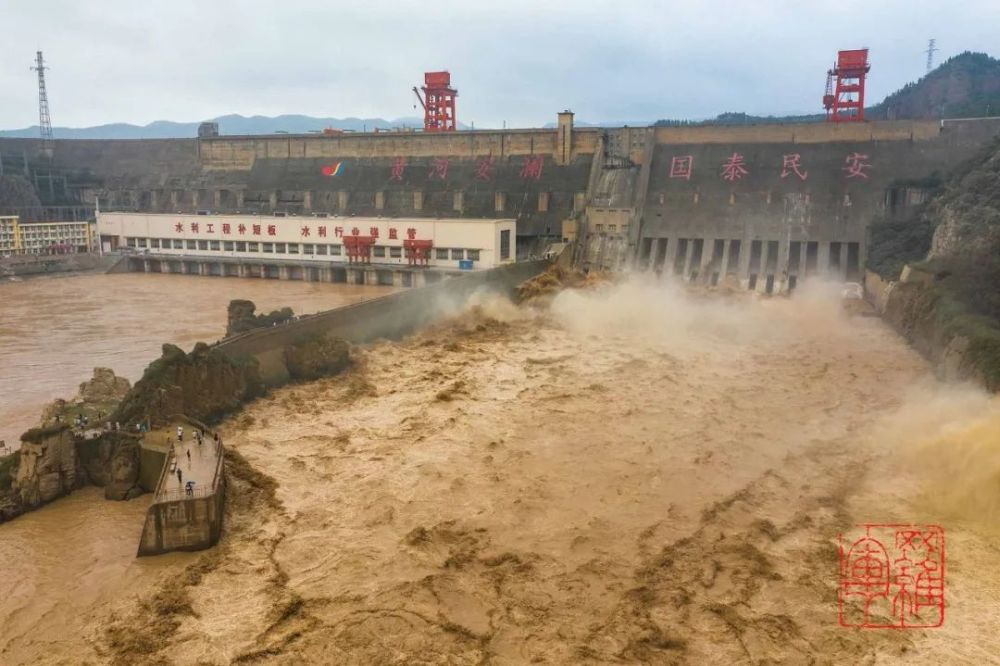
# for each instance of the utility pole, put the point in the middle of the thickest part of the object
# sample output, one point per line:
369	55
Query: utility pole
930	54
44	121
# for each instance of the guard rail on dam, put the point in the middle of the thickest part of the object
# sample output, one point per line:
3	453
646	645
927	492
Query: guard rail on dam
390	316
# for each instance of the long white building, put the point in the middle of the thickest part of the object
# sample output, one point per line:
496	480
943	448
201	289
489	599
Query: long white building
450	244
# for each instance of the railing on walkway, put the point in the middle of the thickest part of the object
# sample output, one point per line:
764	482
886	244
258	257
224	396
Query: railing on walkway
163	494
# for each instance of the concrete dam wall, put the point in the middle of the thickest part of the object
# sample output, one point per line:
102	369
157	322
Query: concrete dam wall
760	205
387	317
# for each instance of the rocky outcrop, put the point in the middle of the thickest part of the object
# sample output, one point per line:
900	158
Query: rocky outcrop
112	461
205	385
104	387
241	317
962	347
48	466
318	357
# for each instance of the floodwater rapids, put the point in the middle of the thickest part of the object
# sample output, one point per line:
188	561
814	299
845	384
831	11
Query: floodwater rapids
633	474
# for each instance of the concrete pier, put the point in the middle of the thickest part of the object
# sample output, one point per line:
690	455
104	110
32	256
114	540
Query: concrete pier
187	510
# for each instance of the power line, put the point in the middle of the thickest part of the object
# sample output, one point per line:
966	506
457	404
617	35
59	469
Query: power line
930	54
44	121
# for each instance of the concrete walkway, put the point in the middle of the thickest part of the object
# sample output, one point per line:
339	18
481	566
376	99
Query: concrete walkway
200	468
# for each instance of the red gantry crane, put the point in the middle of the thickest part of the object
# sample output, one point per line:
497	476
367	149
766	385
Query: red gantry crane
845	87
438	102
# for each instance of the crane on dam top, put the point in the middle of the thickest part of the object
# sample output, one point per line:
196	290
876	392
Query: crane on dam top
438	102
844	100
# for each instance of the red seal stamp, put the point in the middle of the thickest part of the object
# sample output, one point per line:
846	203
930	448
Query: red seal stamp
891	577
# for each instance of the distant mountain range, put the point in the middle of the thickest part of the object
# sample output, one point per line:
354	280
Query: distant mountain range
965	86
231	124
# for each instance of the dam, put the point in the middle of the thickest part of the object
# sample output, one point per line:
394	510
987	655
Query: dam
758	205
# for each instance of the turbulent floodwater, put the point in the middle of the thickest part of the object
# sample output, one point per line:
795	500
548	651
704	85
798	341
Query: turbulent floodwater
54	331
631	475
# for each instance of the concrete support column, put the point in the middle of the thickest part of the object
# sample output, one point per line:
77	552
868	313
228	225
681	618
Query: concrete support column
707	255
173	201
419	279
196	199
823	257
371	276
307	200
762	272
324	274
724	263
781	268
379	200
418	201
458	201
671	256
272	200
154	200
283	272
145	265
217	199
687	259
239	199
397	278
242	270
263	271
843	261
203	268
499	201
803	255
743	261
342	200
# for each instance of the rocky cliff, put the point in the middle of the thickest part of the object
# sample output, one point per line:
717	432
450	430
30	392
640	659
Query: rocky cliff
241	317
48	466
949	304
204	385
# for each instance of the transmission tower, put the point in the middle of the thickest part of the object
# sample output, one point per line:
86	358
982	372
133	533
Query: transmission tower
44	121
930	55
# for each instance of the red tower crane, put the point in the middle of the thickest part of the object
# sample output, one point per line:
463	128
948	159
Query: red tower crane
845	100
438	102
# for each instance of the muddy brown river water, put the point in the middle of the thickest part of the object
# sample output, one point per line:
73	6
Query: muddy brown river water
629	475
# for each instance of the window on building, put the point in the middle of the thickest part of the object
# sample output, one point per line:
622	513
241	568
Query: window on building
457	254
321	249
279	248
335	250
378	251
612	228
253	247
214	245
269	247
599	228
143	242
241	246
192	245
308	248
153	243
395	252
228	246
178	244
130	242
203	245
473	255
505	244
293	248
441	253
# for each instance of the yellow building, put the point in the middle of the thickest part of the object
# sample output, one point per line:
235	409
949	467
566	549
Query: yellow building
18	237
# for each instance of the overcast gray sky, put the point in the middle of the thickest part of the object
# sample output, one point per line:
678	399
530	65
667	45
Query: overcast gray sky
517	61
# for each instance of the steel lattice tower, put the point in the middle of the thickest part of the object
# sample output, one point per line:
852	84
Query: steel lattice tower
930	54
44	121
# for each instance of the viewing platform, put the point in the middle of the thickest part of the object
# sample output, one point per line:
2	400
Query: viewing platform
189	500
